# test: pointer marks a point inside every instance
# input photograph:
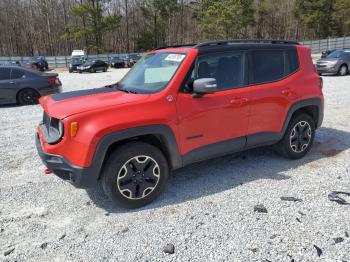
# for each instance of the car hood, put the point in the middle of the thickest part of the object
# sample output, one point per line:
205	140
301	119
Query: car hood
327	59
70	103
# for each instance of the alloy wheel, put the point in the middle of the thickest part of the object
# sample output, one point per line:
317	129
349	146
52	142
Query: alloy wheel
300	136
28	97
343	70
138	177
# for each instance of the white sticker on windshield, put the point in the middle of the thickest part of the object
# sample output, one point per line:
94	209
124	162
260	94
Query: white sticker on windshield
175	57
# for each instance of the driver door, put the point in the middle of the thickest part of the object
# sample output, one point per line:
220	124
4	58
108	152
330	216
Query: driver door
215	124
7	91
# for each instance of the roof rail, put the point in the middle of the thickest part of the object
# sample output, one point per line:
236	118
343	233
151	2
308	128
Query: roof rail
175	46
253	41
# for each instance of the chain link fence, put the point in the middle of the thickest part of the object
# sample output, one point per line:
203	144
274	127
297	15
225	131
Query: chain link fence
317	46
61	61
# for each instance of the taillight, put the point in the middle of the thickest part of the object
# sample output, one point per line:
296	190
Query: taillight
54	80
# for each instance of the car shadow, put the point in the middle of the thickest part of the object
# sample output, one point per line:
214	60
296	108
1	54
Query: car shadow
225	173
9	105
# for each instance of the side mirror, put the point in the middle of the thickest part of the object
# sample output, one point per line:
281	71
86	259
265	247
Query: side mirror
204	86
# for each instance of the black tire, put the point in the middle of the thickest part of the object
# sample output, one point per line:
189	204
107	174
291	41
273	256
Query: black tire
131	183
105	69
70	71
298	138
343	70
27	96
92	70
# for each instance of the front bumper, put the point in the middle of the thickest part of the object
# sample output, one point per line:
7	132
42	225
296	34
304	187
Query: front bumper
51	90
327	70
79	177
73	68
80	70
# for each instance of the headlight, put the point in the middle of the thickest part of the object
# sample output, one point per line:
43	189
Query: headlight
332	63
52	128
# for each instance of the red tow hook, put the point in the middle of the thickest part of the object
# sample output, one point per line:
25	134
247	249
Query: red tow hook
47	171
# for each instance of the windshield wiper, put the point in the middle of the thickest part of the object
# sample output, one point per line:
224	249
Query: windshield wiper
127	90
118	87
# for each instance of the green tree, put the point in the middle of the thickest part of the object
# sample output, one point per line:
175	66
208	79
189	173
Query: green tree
317	15
158	12
341	16
91	25
225	19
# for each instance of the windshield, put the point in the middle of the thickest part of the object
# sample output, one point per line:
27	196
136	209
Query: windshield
78	60
89	62
152	73
336	54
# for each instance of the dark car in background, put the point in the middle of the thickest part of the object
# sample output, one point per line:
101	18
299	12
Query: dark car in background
133	59
38	63
119	62
19	85
75	62
42	61
93	66
337	63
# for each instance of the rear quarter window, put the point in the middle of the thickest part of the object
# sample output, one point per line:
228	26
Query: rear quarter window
273	65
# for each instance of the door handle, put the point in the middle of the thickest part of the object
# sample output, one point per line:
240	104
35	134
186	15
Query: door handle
11	82
239	101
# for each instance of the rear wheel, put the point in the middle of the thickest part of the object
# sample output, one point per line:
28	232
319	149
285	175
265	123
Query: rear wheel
28	97
298	138
92	70
105	69
135	174
343	70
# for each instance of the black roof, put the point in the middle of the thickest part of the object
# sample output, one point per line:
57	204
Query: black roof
234	42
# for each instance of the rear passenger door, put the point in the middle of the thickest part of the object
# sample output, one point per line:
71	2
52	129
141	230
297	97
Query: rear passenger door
271	86
6	85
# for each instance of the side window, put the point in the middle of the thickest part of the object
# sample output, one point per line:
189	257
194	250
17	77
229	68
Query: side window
5	73
17	74
268	65
272	65
227	68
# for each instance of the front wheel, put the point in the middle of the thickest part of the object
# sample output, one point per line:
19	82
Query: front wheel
343	70
298	138
135	174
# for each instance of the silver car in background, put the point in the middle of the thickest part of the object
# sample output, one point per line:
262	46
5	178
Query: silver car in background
337	63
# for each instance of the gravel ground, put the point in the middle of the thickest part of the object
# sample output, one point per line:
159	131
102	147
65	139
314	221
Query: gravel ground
227	209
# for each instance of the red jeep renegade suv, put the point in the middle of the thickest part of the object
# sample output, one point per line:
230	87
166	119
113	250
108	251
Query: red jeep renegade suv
179	105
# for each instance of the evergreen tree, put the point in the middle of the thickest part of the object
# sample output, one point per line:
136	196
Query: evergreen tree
225	19
91	24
